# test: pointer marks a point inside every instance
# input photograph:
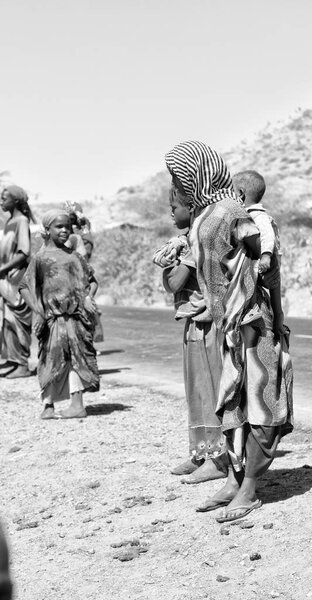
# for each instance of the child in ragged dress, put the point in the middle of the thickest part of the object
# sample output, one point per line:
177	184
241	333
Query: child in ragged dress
60	286
202	362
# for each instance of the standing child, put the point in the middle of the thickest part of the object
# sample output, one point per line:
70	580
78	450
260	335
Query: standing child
60	286
201	358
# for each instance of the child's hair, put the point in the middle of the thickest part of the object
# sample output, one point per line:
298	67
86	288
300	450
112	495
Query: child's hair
252	181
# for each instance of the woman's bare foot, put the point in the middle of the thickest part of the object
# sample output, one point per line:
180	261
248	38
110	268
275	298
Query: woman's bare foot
246	494
48	412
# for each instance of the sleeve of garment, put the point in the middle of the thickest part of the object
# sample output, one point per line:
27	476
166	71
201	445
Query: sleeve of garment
23	237
32	281
88	269
244	228
267	235
186	258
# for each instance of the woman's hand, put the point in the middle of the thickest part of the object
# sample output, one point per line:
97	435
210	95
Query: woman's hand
270	279
90	305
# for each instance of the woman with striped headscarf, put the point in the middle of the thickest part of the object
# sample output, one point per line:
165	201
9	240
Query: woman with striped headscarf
253	398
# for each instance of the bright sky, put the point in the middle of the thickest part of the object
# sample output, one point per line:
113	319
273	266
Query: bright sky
94	92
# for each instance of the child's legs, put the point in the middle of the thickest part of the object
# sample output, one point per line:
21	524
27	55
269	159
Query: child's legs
202	368
76	388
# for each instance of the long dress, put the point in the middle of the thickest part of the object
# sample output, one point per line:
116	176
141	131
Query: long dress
59	281
256	379
16	329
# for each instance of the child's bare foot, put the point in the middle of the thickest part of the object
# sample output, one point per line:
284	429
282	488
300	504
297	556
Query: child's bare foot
72	413
48	412
19	372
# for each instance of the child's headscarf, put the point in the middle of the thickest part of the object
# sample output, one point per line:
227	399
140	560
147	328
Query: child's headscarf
202	172
20	198
51	215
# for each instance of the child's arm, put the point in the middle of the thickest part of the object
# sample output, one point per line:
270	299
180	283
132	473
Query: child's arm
276	303
174	279
18	261
90	305
267	238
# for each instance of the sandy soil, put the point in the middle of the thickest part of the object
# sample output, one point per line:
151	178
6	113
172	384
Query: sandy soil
79	497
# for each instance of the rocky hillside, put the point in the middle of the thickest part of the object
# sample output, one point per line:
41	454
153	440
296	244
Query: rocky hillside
131	224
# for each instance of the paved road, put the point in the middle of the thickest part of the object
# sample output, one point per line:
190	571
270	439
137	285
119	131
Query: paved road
144	345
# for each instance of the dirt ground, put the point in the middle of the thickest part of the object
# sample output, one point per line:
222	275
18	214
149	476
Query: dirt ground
80	497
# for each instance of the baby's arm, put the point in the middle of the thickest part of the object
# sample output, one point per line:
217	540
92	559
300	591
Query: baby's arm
267	239
174	279
167	254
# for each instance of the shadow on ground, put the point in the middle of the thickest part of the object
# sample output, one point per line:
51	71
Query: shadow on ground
281	484
108	371
106	409
107	352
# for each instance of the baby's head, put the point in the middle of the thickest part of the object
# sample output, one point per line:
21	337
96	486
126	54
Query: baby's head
249	186
180	203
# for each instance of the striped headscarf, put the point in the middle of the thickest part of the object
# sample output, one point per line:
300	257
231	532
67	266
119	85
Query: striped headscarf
203	173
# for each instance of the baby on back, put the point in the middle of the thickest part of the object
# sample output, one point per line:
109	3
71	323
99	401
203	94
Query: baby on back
250	187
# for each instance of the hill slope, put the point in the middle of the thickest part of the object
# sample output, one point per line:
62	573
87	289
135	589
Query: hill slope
131	224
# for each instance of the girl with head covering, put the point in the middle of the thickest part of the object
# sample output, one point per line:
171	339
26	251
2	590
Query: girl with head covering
14	257
60	286
253	397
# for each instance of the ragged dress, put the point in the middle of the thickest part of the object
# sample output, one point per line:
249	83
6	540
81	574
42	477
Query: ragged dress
16	330
59	281
256	379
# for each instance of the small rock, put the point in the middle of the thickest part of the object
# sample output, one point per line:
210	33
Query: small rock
129	461
251	569
93	485
274	594
87	520
210	563
268	526
82	506
224	530
47	516
255	556
14	449
157	444
109	521
126	555
232	546
27	525
171	497
50	545
306	467
246	525
222	578
119	544
61	535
